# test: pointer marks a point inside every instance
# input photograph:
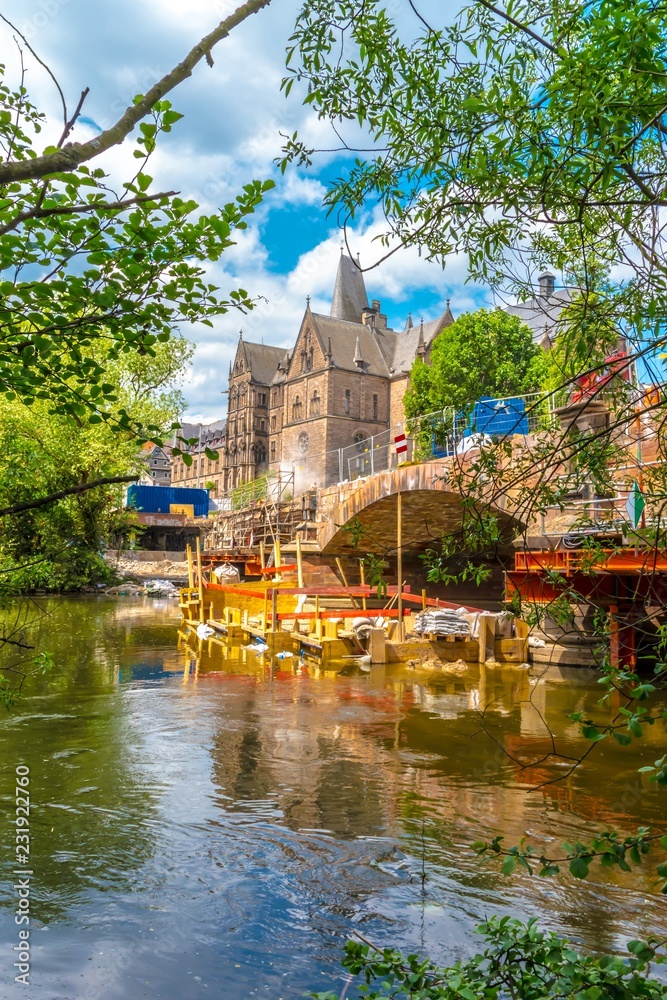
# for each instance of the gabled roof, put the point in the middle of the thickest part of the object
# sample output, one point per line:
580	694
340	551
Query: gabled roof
542	313
214	431
261	360
349	297
408	342
344	336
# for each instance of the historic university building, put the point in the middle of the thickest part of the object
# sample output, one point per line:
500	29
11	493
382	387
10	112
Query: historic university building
343	381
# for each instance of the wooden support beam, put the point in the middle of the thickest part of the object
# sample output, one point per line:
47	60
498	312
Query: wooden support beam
299	563
362	578
200	583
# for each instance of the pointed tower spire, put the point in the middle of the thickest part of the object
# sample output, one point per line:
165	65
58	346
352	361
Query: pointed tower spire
408	323
421	344
447	318
358	358
349	297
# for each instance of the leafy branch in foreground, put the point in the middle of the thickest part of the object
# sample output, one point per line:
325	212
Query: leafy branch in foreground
607	847
519	961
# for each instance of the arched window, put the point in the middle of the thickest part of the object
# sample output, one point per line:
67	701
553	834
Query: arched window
297	408
315	404
360	441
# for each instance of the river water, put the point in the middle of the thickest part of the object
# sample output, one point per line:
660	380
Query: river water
216	825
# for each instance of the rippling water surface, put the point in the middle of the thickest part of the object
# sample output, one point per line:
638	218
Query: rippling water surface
207	823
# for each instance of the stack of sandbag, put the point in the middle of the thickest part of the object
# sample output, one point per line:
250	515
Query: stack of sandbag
362	626
442	621
160	588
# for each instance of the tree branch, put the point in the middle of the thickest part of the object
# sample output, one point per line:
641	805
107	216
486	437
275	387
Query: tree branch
71	155
81	488
519	25
93	206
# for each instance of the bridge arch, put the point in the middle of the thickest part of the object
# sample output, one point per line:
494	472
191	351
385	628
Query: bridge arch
431	509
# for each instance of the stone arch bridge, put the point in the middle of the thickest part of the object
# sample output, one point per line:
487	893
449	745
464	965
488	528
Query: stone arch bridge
430	509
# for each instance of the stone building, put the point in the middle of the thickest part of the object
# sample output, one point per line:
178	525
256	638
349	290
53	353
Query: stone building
246	453
343	382
204	470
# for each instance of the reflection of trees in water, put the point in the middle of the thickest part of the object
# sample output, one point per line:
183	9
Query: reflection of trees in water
89	638
92	805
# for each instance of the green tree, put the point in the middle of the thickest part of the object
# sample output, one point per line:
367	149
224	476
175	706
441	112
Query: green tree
519	961
481	354
59	545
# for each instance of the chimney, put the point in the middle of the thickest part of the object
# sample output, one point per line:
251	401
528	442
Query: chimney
371	316
547	285
368	317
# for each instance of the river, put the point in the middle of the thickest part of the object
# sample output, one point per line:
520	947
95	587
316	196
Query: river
218	827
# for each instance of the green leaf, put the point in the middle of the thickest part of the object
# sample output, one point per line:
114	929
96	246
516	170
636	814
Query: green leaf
579	867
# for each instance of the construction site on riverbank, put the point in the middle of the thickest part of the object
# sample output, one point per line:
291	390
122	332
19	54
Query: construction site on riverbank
314	570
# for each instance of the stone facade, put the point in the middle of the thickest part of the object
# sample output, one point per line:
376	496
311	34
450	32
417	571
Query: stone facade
342	383
246	453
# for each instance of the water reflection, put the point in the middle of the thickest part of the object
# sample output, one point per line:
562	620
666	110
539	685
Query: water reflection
210	820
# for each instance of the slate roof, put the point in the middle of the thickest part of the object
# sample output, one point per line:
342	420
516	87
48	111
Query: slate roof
262	360
214	431
374	344
542	314
407	342
281	369
349	297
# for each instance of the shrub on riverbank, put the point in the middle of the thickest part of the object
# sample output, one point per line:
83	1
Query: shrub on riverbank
520	961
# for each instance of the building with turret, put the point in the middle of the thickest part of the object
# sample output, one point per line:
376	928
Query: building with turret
342	382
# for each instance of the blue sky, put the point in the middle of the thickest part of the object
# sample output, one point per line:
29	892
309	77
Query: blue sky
234	114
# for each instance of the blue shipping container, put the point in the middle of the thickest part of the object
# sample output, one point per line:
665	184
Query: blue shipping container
157	499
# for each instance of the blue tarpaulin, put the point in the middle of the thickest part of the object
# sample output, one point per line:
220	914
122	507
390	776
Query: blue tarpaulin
498	417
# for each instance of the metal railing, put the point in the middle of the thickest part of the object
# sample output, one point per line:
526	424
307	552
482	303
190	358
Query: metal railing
433	435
